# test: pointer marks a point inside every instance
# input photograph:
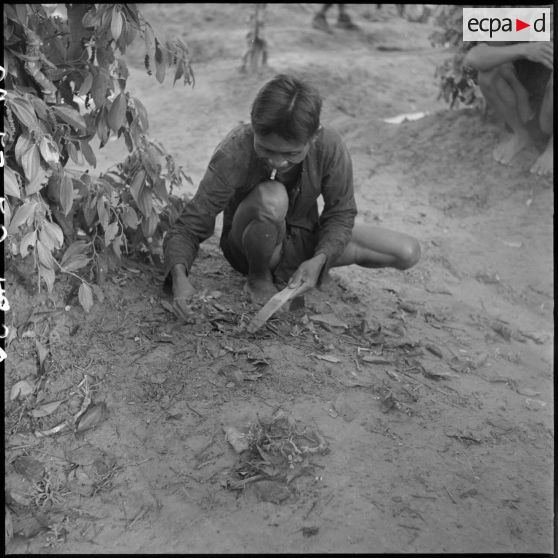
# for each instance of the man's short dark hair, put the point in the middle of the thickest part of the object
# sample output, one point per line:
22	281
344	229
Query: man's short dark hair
288	107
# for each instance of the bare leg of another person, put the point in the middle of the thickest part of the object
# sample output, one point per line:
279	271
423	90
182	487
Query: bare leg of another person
376	247
524	108
544	165
320	19
501	96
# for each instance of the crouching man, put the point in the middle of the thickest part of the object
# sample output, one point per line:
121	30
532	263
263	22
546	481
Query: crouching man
266	177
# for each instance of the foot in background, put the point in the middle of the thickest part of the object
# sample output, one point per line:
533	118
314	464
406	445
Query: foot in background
320	23
345	22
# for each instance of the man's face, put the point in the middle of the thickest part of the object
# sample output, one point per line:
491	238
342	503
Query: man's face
279	153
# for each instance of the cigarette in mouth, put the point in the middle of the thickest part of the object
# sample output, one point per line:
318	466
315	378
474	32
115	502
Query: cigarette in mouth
273	173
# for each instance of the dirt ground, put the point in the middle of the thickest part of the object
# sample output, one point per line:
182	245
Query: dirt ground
432	389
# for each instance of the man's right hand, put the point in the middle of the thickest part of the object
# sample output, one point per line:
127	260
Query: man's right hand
183	294
540	52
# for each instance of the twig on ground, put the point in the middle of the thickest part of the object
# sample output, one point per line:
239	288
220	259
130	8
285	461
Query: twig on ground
432	388
138	463
424	496
55	430
194	410
305	516
240	484
464	437
408	527
139	516
450	495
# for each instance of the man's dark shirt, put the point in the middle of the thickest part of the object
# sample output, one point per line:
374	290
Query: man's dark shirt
234	170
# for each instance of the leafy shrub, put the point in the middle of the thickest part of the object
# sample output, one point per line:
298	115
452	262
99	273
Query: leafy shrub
457	83
65	86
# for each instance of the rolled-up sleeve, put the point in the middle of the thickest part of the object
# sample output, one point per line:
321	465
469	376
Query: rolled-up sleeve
338	215
197	220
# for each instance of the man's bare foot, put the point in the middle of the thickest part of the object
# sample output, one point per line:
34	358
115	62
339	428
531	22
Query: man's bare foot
320	22
260	289
508	148
544	165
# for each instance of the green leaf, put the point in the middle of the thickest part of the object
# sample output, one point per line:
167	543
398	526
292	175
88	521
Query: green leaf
86	84
49	150
11	183
90	211
85	296
169	52
149	224
149	37
23	144
42	351
142	113
121	43
28	240
25	113
66	194
131	218
76	262
91	18
41	108
145	201
101	82
116	23
47	275
76	248
76	157
123	69
179	71
110	232
117	114
7	210
71	116
160	189
117	246
46	241
88	153
128	141
24	215
45	257
150	160
31	162
21	10
102	127
137	184
40	180
54	234
102	212
160	63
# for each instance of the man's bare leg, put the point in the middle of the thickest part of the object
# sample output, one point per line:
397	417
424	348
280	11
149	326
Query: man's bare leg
258	230
259	243
544	165
503	100
376	247
524	108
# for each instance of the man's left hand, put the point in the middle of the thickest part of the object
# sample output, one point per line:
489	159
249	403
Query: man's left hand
308	273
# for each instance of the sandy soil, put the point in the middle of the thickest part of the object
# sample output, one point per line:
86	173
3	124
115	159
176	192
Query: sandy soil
432	388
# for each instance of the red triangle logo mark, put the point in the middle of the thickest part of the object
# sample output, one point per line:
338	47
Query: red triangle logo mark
519	25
